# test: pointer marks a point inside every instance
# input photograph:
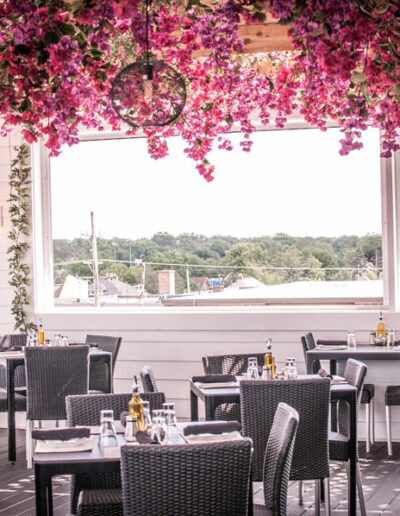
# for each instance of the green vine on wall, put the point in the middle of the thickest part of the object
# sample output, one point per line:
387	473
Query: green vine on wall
19	211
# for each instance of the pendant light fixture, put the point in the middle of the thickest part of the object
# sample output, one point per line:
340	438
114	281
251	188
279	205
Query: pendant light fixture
148	92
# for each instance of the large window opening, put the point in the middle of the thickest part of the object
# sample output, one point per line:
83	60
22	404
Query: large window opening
290	222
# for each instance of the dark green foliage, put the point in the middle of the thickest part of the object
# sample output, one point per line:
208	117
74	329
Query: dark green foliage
19	210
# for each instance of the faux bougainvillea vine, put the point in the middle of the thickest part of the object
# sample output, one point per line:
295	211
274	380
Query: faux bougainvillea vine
58	59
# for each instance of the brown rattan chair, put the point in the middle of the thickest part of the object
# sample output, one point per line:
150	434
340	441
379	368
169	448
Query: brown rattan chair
204	479
85	411
367	397
52	374
310	398
355	373
98	372
229	364
149	383
278	461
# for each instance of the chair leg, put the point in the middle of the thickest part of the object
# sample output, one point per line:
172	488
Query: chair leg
360	492
389	430
368	426
327	497
28	446
317	497
300	492
372	421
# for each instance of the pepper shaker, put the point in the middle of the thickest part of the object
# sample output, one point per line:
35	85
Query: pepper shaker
131	428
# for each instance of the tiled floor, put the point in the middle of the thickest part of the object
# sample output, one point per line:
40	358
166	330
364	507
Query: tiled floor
381	480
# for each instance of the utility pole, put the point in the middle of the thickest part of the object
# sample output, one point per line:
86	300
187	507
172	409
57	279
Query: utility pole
187	280
96	285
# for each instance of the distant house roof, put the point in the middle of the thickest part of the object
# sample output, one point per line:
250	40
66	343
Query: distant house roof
114	287
249	282
201	281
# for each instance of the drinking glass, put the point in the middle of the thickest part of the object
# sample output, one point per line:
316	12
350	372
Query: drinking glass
57	339
108	435
159	427
147	417
351	339
171	423
390	338
252	369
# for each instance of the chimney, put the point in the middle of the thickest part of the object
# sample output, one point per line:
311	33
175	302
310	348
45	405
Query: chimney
166	282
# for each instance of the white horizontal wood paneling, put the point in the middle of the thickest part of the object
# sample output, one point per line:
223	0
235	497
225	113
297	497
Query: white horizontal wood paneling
173	343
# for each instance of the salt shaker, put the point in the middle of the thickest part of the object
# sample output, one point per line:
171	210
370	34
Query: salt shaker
131	428
266	373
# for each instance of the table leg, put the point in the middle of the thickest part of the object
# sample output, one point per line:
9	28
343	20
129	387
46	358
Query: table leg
12	455
334	406
353	455
333	366
210	404
194	407
42	483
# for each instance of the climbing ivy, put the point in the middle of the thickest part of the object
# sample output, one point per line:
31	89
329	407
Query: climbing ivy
19	211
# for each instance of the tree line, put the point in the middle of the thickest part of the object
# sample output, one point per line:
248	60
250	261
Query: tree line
276	259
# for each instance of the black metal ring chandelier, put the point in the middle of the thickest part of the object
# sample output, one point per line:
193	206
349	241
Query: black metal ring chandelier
148	92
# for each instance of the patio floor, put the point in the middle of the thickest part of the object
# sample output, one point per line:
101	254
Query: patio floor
381	480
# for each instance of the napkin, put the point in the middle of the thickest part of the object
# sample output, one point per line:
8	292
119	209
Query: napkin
215	428
331	342
215	378
143	438
324	374
61	434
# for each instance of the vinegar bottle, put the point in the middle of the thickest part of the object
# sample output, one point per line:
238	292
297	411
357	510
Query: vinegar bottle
269	359
40	334
136	406
380	329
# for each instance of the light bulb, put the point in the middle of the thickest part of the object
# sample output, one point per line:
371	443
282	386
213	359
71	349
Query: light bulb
148	90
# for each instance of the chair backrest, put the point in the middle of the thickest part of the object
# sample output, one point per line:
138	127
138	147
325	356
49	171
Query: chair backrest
355	373
13	339
308	343
230	364
278	458
85	410
204	479
9	341
51	375
106	343
310	397
148	381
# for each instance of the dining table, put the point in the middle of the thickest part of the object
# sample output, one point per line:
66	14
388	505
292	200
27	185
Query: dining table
213	396
11	360
361	352
98	459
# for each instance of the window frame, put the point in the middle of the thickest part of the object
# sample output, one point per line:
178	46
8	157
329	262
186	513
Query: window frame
42	245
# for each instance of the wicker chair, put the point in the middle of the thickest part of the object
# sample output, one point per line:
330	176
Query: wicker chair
98	370
229	364
195	479
51	375
339	442
278	461
85	411
149	383
14	340
367	398
310	397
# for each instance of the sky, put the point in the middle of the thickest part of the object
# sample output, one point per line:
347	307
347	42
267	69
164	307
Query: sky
292	182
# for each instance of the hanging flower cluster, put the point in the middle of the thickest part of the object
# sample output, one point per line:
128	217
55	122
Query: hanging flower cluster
58	60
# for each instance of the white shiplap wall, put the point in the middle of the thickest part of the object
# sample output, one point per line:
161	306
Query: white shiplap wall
174	342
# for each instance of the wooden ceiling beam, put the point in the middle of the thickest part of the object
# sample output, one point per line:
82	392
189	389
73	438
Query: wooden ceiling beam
268	37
